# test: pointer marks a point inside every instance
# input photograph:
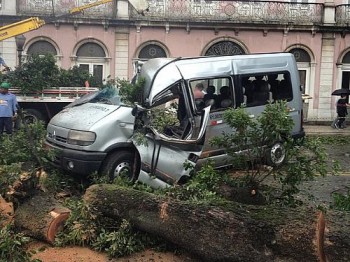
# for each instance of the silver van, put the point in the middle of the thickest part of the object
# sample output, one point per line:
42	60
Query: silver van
97	136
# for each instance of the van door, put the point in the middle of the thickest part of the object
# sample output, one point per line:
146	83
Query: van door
164	150
219	93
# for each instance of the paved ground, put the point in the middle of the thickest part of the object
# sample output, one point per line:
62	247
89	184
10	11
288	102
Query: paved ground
325	130
319	191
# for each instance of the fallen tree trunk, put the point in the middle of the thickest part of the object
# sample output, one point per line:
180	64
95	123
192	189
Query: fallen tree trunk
231	233
41	217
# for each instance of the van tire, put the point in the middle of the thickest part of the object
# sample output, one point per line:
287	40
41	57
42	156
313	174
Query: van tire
116	163
275	155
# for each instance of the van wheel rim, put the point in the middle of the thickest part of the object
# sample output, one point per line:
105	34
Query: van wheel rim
277	154
123	169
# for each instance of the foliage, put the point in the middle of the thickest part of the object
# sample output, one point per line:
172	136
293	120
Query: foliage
117	238
41	71
201	188
25	145
80	228
341	201
37	73
130	92
57	181
12	246
303	160
160	118
122	242
75	76
8	175
251	137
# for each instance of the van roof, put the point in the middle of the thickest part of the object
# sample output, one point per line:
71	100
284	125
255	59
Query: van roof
160	73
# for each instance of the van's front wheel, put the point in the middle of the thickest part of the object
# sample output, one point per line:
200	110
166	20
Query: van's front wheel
275	154
119	164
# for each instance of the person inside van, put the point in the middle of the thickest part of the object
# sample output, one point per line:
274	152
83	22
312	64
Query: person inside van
210	98
248	90
198	91
274	84
224	98
261	91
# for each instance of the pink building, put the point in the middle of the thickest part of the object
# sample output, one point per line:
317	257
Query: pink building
107	39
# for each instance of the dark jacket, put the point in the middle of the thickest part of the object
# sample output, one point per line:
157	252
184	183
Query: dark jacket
341	107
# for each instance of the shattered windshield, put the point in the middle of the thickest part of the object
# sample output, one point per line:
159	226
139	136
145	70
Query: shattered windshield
108	95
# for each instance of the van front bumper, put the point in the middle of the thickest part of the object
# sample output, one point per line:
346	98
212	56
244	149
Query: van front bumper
77	162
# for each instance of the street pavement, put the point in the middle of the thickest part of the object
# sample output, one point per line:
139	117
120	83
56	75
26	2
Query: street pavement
311	129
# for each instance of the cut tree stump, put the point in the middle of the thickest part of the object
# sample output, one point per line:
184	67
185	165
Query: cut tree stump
233	232
41	217
6	212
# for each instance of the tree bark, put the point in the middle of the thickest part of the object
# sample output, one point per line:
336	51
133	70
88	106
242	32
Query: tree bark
233	232
41	217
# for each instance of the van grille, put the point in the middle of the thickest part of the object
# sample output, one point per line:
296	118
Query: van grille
57	138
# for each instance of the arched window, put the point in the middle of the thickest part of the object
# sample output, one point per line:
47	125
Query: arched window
225	48
303	60
41	47
151	51
91	50
345	81
346	58
301	55
91	57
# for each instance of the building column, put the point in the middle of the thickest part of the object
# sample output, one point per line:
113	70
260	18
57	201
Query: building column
8	52
329	12
326	77
122	53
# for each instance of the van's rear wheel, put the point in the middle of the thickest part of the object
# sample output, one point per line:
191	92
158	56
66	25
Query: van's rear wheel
275	155
119	164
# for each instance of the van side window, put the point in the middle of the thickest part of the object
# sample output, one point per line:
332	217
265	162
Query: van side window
261	89
284	90
170	116
217	92
256	90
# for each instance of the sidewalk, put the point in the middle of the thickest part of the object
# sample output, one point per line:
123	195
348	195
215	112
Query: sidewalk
325	130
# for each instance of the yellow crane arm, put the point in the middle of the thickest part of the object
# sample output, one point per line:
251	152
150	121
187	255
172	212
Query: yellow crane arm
20	27
79	9
34	23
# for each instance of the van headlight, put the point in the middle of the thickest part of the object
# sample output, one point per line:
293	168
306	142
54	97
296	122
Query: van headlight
81	138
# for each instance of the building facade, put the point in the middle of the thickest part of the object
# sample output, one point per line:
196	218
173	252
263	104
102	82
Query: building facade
109	38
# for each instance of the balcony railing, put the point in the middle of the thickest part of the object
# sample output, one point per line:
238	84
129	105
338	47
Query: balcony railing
233	11
342	14
61	7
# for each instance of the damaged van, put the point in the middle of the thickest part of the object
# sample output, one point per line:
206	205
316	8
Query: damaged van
100	136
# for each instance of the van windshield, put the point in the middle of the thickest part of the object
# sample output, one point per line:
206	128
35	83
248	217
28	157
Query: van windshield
108	95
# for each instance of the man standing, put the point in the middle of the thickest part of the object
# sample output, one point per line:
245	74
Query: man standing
8	108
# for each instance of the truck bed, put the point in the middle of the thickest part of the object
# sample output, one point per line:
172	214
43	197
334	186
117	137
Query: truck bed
59	94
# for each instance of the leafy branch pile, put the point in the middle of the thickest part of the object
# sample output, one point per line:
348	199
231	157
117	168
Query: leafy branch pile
40	72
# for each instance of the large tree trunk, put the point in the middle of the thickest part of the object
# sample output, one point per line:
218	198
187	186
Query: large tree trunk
41	217
232	233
